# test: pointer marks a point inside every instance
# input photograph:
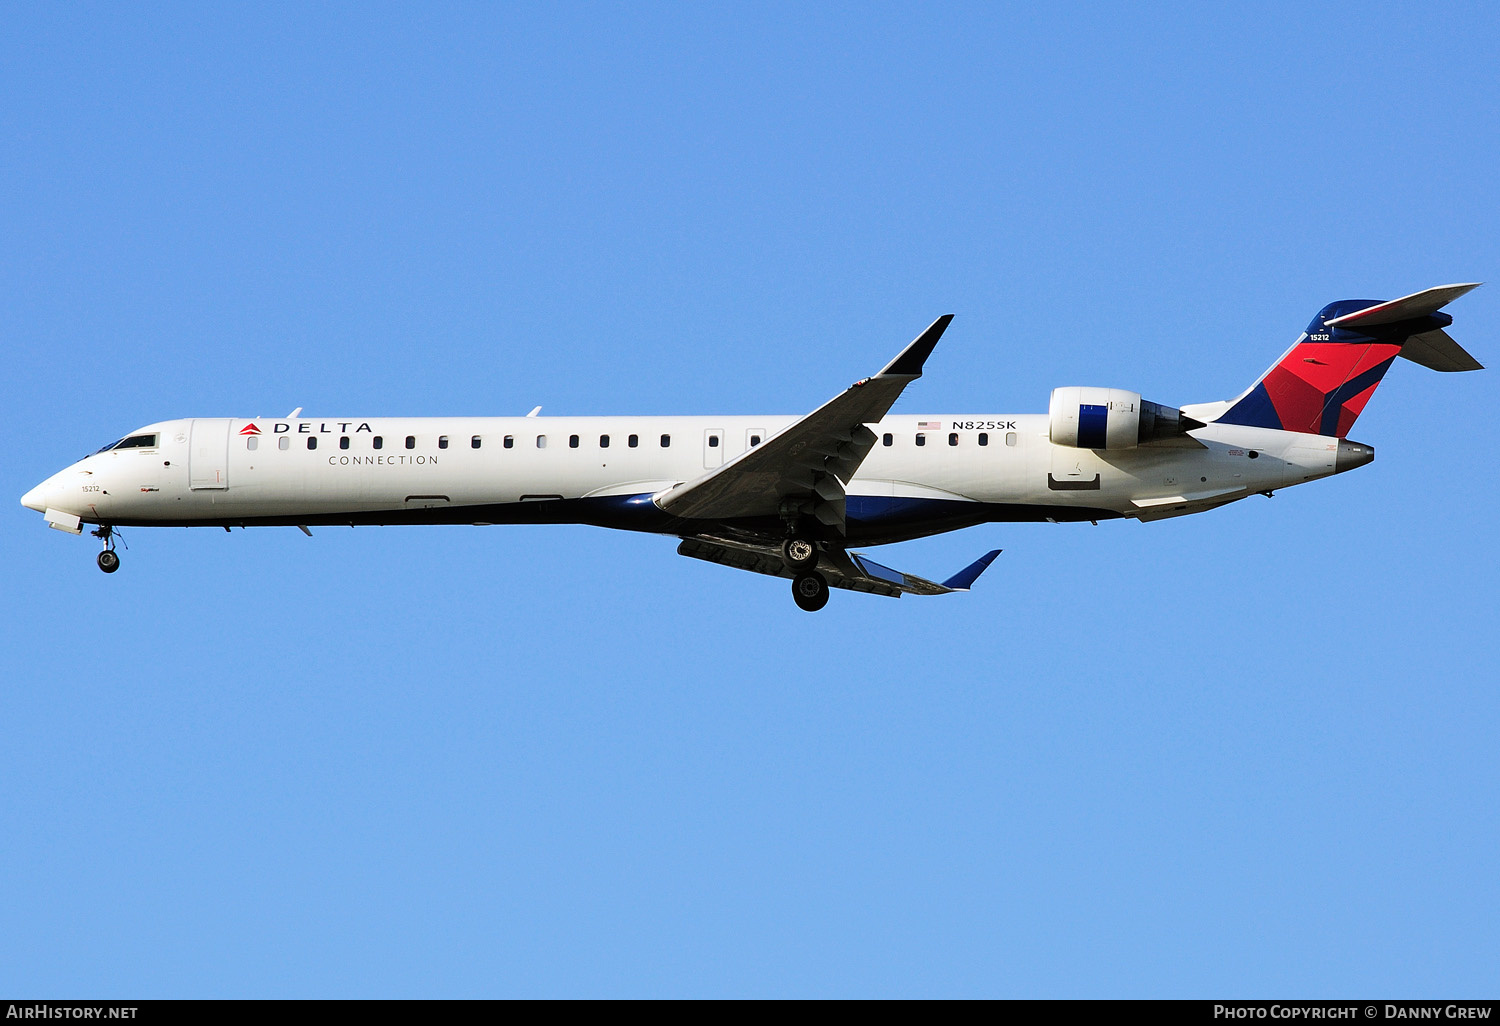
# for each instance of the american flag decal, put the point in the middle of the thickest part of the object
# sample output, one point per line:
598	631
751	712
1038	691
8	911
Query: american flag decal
929	425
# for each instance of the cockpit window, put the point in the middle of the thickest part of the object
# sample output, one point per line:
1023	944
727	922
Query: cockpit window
138	442
131	442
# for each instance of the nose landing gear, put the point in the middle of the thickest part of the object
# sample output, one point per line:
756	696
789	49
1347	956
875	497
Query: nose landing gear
108	561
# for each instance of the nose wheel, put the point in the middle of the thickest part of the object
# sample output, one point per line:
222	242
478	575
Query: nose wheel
810	591
108	560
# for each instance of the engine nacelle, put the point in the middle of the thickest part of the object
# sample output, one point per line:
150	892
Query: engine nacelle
1111	418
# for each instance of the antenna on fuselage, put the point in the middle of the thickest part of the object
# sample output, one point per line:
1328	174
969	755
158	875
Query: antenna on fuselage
534	412
293	414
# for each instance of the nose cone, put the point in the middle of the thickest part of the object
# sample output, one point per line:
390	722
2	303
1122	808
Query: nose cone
1351	455
37	498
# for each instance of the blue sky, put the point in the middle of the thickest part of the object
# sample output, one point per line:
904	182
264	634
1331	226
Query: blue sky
1249	753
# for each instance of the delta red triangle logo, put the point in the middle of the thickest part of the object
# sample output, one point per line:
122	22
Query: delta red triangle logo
250	429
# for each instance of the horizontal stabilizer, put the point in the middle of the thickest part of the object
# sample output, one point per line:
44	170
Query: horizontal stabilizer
1418	304
1437	350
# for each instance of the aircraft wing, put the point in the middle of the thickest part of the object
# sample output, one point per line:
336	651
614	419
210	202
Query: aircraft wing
803	469
852	571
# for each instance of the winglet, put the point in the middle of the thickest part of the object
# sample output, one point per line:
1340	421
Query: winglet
909	363
966	577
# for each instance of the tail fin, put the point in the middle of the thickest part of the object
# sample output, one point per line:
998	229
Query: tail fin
1324	381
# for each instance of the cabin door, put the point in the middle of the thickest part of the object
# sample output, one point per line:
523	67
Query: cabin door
208	454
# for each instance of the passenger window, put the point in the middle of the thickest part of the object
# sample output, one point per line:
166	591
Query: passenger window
379	442
510	441
604	441
572	441
921	438
344	442
312	443
666	440
1010	438
754	441
984	438
252	443
541	441
953	438
474	442
442	441
633	441
411	441
283	442
886	439
713	441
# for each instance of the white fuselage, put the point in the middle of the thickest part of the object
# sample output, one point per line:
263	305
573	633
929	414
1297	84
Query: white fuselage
925	474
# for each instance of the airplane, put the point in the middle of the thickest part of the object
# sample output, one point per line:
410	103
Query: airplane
785	496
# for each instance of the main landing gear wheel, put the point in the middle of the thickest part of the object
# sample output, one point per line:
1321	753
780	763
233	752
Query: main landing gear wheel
799	554
810	591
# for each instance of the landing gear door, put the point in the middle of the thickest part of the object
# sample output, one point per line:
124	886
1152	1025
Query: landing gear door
208	454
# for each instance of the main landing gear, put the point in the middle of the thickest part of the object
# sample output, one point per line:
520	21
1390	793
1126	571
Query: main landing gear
810	591
799	554
108	561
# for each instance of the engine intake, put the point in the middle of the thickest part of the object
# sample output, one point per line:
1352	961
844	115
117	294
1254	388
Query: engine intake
1111	418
